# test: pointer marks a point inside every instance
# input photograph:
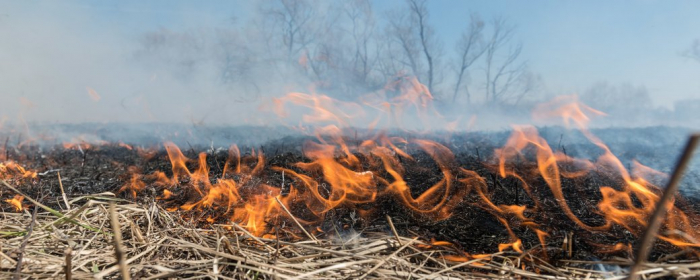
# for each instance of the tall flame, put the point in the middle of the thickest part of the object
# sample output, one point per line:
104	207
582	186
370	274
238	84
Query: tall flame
346	174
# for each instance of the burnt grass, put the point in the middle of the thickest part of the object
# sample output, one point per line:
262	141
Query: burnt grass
471	228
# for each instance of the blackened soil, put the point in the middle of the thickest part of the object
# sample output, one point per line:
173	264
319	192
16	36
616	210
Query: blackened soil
471	227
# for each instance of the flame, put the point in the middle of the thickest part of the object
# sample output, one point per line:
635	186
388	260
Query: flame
460	257
342	173
93	94
83	142
547	164
242	203
135	184
568	108
617	206
402	99
11	169
126	146
16	202
323	109
516	245
615	248
347	184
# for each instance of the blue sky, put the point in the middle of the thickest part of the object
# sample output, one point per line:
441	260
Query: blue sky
571	44
574	44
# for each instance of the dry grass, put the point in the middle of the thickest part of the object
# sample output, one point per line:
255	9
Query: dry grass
158	244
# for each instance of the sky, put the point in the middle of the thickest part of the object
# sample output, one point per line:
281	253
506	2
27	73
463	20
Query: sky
51	52
574	44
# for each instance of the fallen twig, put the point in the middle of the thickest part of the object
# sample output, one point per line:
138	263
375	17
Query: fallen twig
393	229
68	268
176	250
117	240
63	193
297	221
662	206
48	209
20	251
384	260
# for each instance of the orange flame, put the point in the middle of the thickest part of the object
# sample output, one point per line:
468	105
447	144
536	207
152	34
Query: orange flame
93	94
401	100
16	202
616	206
228	194
11	169
341	173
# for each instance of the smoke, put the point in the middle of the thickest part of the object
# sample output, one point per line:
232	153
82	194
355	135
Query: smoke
65	63
54	55
71	62
163	62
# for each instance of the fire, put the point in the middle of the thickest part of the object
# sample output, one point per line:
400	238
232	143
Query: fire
340	173
568	108
402	101
324	108
126	146
618	205
252	205
93	94
412	98
223	193
82	144
11	169
516	245
547	164
16	202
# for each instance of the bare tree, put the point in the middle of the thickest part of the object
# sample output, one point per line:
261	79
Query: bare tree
426	36
292	19
401	32
528	82
305	31
470	48
361	30
336	46
390	58
417	41
503	72
507	75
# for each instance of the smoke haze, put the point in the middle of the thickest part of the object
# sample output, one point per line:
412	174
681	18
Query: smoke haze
217	64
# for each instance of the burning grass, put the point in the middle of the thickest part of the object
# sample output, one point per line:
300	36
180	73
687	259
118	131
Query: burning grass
376	206
177	236
159	244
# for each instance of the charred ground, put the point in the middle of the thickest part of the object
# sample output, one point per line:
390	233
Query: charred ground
90	169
